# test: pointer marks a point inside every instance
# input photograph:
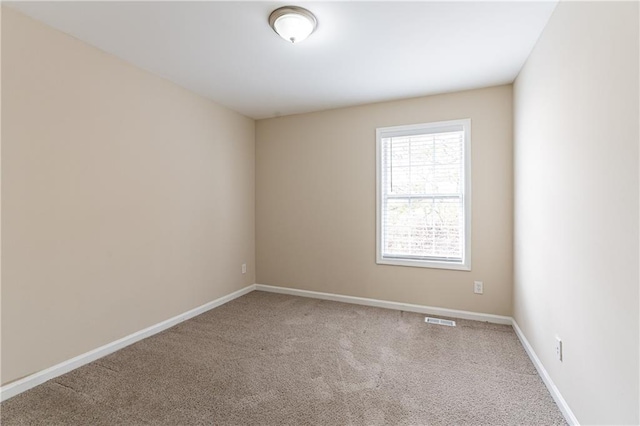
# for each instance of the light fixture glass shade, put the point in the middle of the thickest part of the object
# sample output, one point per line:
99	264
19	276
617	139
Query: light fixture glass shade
293	23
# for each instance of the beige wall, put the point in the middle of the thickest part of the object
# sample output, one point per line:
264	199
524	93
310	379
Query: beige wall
315	202
576	206
126	199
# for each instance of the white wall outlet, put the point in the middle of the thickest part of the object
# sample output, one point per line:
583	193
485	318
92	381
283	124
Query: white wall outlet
478	287
244	268
559	348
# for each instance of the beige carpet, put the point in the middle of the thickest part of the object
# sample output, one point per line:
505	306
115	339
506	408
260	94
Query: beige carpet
268	359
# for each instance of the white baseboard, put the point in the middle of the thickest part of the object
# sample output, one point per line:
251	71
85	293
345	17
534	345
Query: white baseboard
421	309
26	383
553	390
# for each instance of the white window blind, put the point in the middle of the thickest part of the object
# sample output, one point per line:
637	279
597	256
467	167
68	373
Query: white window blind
422	195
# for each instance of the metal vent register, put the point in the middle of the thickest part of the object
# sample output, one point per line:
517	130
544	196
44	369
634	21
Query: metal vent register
439	321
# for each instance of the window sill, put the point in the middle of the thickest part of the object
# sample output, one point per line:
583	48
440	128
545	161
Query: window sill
425	264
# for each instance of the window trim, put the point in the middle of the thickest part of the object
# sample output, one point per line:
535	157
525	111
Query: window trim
415	129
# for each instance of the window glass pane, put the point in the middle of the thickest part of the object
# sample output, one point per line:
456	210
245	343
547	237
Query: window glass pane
423	227
424	164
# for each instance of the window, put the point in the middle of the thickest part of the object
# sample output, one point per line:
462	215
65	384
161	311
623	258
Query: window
424	195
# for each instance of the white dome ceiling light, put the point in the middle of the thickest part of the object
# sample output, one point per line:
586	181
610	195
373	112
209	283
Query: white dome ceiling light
293	23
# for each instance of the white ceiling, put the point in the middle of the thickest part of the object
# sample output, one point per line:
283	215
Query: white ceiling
361	52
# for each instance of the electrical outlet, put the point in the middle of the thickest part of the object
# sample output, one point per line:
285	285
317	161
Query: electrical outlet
244	268
478	287
559	349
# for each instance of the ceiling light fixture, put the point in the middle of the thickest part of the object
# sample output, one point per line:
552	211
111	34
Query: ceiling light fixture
293	23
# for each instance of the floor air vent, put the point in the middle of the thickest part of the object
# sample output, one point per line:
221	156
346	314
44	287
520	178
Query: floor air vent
439	321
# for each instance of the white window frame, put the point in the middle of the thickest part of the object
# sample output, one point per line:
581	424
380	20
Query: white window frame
417	129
